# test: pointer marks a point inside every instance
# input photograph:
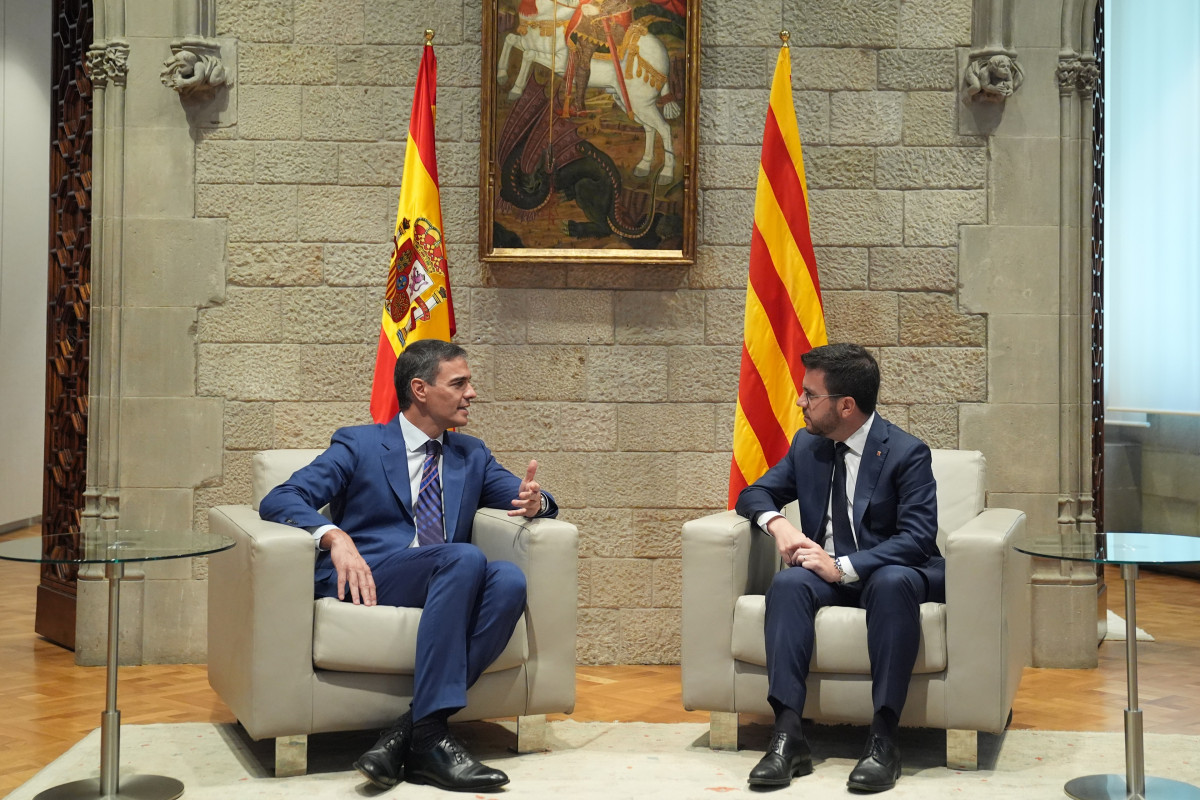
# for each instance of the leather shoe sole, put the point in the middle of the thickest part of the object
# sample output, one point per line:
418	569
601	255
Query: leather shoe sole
373	773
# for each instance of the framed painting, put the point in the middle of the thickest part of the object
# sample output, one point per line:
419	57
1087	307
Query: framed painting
589	130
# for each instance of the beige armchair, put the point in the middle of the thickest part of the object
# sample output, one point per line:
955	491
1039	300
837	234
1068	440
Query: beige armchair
288	666
973	647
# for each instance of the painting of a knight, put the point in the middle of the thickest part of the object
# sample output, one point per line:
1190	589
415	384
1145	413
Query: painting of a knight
589	124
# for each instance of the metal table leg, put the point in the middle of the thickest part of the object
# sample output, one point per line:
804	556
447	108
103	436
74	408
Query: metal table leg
109	785
1135	785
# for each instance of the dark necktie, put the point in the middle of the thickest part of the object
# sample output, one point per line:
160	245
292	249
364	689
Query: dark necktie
427	511
843	536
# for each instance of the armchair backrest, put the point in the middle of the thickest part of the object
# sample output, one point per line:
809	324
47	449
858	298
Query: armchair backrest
961	477
269	468
961	491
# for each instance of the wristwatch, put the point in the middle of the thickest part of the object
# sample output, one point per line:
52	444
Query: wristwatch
837	562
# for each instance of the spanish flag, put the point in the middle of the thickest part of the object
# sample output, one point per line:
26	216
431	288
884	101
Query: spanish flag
417	304
784	316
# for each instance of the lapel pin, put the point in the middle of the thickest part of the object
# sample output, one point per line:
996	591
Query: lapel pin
878	452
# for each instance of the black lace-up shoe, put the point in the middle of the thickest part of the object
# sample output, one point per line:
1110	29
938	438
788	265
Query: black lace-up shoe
448	765
879	768
383	764
787	757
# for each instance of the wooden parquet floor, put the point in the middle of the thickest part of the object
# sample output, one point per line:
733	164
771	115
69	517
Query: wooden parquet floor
47	703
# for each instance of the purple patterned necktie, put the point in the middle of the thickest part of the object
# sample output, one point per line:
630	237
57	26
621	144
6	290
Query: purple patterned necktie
427	511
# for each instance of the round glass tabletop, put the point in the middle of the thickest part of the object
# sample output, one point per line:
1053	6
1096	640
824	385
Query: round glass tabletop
112	547
1115	548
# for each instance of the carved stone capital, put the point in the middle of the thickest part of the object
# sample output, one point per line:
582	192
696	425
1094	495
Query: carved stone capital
116	61
992	77
195	69
1077	75
95	67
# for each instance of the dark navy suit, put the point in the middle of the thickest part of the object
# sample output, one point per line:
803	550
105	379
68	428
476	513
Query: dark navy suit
898	563
471	607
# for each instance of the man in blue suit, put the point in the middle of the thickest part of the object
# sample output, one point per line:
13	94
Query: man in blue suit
402	497
867	538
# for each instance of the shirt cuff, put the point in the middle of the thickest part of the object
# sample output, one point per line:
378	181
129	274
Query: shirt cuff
318	532
766	517
848	573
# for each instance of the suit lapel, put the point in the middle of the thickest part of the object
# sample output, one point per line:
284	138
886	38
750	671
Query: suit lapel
394	456
869	467
454	470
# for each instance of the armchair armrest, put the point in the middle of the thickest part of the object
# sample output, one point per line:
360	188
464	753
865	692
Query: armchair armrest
723	559
987	618
260	622
547	551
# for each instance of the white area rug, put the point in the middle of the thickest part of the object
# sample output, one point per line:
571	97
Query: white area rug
621	760
1117	629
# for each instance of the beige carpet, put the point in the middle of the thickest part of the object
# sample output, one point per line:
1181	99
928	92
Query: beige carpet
1116	630
629	760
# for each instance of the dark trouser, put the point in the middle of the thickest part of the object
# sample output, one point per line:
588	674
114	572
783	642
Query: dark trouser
892	597
471	608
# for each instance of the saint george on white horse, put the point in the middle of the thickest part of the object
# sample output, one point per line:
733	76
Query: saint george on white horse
645	62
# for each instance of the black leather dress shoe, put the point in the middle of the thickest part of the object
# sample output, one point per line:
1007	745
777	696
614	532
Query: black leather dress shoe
383	764
879	768
787	757
450	766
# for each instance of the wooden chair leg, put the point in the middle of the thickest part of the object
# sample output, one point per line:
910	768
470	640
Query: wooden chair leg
531	734
962	749
723	730
291	756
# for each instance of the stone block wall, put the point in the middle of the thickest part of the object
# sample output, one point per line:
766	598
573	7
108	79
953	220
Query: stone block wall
620	381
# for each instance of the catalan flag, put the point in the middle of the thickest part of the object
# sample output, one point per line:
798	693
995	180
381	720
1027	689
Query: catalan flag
417	304
784	317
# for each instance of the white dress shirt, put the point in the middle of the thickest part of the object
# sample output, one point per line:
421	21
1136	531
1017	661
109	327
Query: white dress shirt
414	446
855	442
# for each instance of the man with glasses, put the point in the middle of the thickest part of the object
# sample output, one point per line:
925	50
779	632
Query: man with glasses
867	538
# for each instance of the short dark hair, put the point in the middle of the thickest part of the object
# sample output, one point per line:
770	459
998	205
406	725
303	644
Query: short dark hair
850	370
421	360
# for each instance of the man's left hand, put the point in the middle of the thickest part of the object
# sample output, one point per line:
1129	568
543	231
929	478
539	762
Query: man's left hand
815	558
528	502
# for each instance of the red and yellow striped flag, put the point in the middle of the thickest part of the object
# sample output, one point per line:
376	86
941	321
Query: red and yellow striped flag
784	317
417	305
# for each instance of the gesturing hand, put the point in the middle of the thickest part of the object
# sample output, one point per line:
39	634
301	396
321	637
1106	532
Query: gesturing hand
528	501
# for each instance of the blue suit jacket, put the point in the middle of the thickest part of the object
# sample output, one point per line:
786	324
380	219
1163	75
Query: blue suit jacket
895	502
363	477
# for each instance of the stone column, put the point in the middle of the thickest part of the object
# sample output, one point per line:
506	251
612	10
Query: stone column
152	440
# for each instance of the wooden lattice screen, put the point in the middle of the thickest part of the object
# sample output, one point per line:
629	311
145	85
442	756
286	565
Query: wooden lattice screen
67	307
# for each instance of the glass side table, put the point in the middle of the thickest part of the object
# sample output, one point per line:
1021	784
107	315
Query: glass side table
113	549
1128	550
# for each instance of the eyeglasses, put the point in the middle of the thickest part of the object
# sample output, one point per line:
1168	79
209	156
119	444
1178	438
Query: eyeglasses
808	396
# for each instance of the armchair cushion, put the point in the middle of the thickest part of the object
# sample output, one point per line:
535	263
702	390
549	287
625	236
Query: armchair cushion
841	644
383	639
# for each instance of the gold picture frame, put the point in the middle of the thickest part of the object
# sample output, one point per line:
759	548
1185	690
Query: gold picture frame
613	181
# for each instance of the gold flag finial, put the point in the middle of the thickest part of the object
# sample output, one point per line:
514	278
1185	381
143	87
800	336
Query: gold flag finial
429	36
784	36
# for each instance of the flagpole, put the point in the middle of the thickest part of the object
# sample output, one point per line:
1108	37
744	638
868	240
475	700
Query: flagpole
784	313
